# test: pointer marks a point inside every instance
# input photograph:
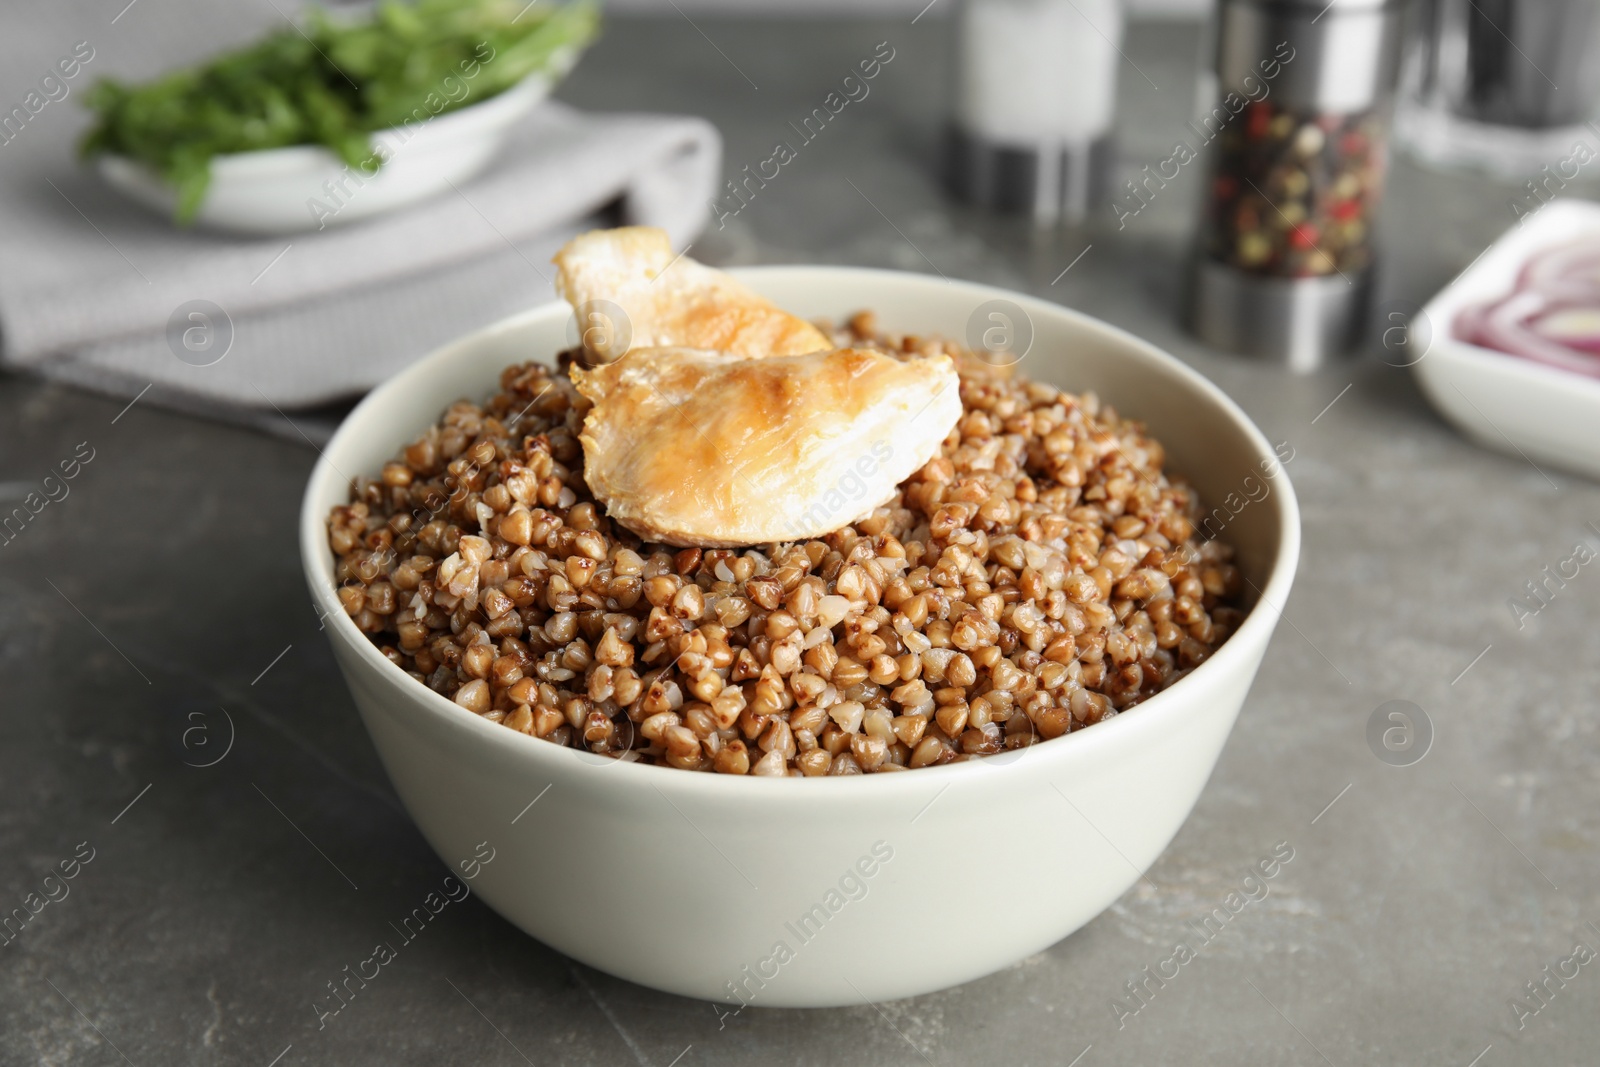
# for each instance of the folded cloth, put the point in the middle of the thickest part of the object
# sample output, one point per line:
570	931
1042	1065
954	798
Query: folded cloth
88	283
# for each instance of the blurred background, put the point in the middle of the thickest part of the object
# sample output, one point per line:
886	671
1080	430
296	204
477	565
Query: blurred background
1335	211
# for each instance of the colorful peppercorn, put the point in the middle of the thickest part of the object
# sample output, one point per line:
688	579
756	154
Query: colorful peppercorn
1293	194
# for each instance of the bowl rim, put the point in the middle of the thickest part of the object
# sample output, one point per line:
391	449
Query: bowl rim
1162	712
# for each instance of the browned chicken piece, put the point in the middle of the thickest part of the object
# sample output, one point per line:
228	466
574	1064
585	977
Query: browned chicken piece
691	447
667	301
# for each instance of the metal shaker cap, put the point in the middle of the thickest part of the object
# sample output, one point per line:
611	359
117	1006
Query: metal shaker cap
1329	7
1300	324
1334	57
1048	183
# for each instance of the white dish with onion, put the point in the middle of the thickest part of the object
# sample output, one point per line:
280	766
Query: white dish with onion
1511	347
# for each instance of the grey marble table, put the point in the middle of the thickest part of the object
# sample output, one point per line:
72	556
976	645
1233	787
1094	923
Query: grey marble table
158	611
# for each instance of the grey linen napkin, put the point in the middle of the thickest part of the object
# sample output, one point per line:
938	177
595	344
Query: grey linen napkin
89	282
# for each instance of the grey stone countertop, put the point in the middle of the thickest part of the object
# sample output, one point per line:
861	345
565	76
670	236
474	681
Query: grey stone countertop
1420	901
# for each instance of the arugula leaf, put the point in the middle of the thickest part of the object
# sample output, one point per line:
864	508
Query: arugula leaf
332	85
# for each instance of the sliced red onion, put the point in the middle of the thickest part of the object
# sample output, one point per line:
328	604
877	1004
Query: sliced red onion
1509	327
1570	270
1573	326
1552	316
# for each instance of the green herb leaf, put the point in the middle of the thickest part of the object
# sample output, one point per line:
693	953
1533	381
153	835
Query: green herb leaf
334	85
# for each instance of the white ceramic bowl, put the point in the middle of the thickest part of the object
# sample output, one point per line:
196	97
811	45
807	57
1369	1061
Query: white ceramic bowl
273	190
1503	402
681	881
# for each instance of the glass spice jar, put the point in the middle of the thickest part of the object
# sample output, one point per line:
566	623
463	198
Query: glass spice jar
1285	247
1295	193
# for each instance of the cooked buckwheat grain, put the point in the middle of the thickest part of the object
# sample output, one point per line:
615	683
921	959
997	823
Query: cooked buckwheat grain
1038	576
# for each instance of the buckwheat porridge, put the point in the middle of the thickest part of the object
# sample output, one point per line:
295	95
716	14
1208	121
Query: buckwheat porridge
563	559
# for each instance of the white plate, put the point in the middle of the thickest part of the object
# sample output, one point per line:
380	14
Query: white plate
1505	402
277	190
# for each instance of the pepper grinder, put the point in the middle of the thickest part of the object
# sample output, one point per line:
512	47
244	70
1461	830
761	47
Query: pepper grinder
1300	100
1031	128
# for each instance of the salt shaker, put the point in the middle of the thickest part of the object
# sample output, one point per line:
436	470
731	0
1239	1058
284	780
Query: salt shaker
1298	125
1035	85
